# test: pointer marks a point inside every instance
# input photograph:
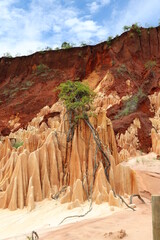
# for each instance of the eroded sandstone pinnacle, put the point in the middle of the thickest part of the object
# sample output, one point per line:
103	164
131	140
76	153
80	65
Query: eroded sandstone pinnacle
46	165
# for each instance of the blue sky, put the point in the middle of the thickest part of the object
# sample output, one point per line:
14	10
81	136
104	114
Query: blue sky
27	26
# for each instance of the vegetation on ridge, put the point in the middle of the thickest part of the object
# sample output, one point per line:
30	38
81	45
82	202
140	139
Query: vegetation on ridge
135	28
131	104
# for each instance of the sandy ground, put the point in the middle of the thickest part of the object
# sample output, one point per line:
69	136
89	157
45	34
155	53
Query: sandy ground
147	168
100	223
125	224
47	216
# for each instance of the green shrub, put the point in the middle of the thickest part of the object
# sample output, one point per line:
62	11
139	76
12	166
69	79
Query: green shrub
150	64
83	44
28	83
11	91
135	27
41	68
48	48
126	28
17	144
122	69
66	45
109	40
77	97
131	104
7	54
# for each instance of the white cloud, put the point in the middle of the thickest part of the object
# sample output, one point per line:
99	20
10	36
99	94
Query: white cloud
83	30
96	5
135	11
44	23
51	22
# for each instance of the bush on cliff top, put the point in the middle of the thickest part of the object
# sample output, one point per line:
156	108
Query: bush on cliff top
135	28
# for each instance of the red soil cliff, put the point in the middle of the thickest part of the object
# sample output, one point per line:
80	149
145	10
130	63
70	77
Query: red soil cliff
27	83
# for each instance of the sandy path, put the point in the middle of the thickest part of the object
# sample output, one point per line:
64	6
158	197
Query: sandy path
47	215
137	225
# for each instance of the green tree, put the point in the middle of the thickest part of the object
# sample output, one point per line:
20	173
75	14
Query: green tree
135	28
66	45
48	48
77	98
83	44
126	28
7	54
109	40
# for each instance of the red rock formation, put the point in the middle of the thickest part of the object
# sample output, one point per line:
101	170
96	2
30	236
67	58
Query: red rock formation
27	83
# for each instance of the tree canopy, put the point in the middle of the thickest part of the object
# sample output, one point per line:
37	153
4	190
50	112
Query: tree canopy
77	96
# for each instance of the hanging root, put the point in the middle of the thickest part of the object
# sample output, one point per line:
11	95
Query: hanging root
72	125
136	195
70	133
99	144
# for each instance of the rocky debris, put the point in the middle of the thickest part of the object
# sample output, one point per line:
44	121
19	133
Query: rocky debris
115	235
46	166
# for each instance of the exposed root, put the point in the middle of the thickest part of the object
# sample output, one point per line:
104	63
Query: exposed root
56	196
136	195
82	215
99	145
34	236
125	202
90	207
71	127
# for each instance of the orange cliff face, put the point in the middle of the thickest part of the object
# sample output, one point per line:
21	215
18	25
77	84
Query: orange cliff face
26	83
46	165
